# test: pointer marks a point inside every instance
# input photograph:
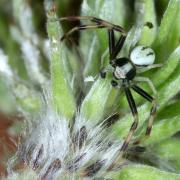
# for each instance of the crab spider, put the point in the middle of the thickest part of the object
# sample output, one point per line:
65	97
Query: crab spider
124	70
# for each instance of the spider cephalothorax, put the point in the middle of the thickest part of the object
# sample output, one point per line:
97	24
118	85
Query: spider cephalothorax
124	69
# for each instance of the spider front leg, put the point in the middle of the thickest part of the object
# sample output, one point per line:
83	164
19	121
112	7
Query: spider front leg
148	81
118	46
144	69
153	109
79	28
133	108
111	39
99	23
103	71
150	99
134	125
114	49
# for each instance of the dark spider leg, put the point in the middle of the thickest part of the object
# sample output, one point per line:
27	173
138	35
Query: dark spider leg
133	108
107	24
111	42
114	49
81	27
153	109
99	24
118	46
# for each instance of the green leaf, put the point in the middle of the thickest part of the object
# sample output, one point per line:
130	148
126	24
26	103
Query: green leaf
168	68
168	149
169	31
140	172
63	99
94	103
170	110
163	129
145	13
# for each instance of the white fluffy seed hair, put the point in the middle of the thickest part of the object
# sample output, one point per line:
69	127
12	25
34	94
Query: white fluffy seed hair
4	66
54	150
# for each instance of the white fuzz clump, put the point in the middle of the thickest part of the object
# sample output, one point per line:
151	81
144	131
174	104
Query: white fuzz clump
47	142
89	79
4	66
31	56
46	48
53	149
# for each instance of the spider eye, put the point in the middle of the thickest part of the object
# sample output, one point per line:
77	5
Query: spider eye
142	55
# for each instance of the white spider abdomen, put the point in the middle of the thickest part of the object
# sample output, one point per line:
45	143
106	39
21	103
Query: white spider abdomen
142	55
